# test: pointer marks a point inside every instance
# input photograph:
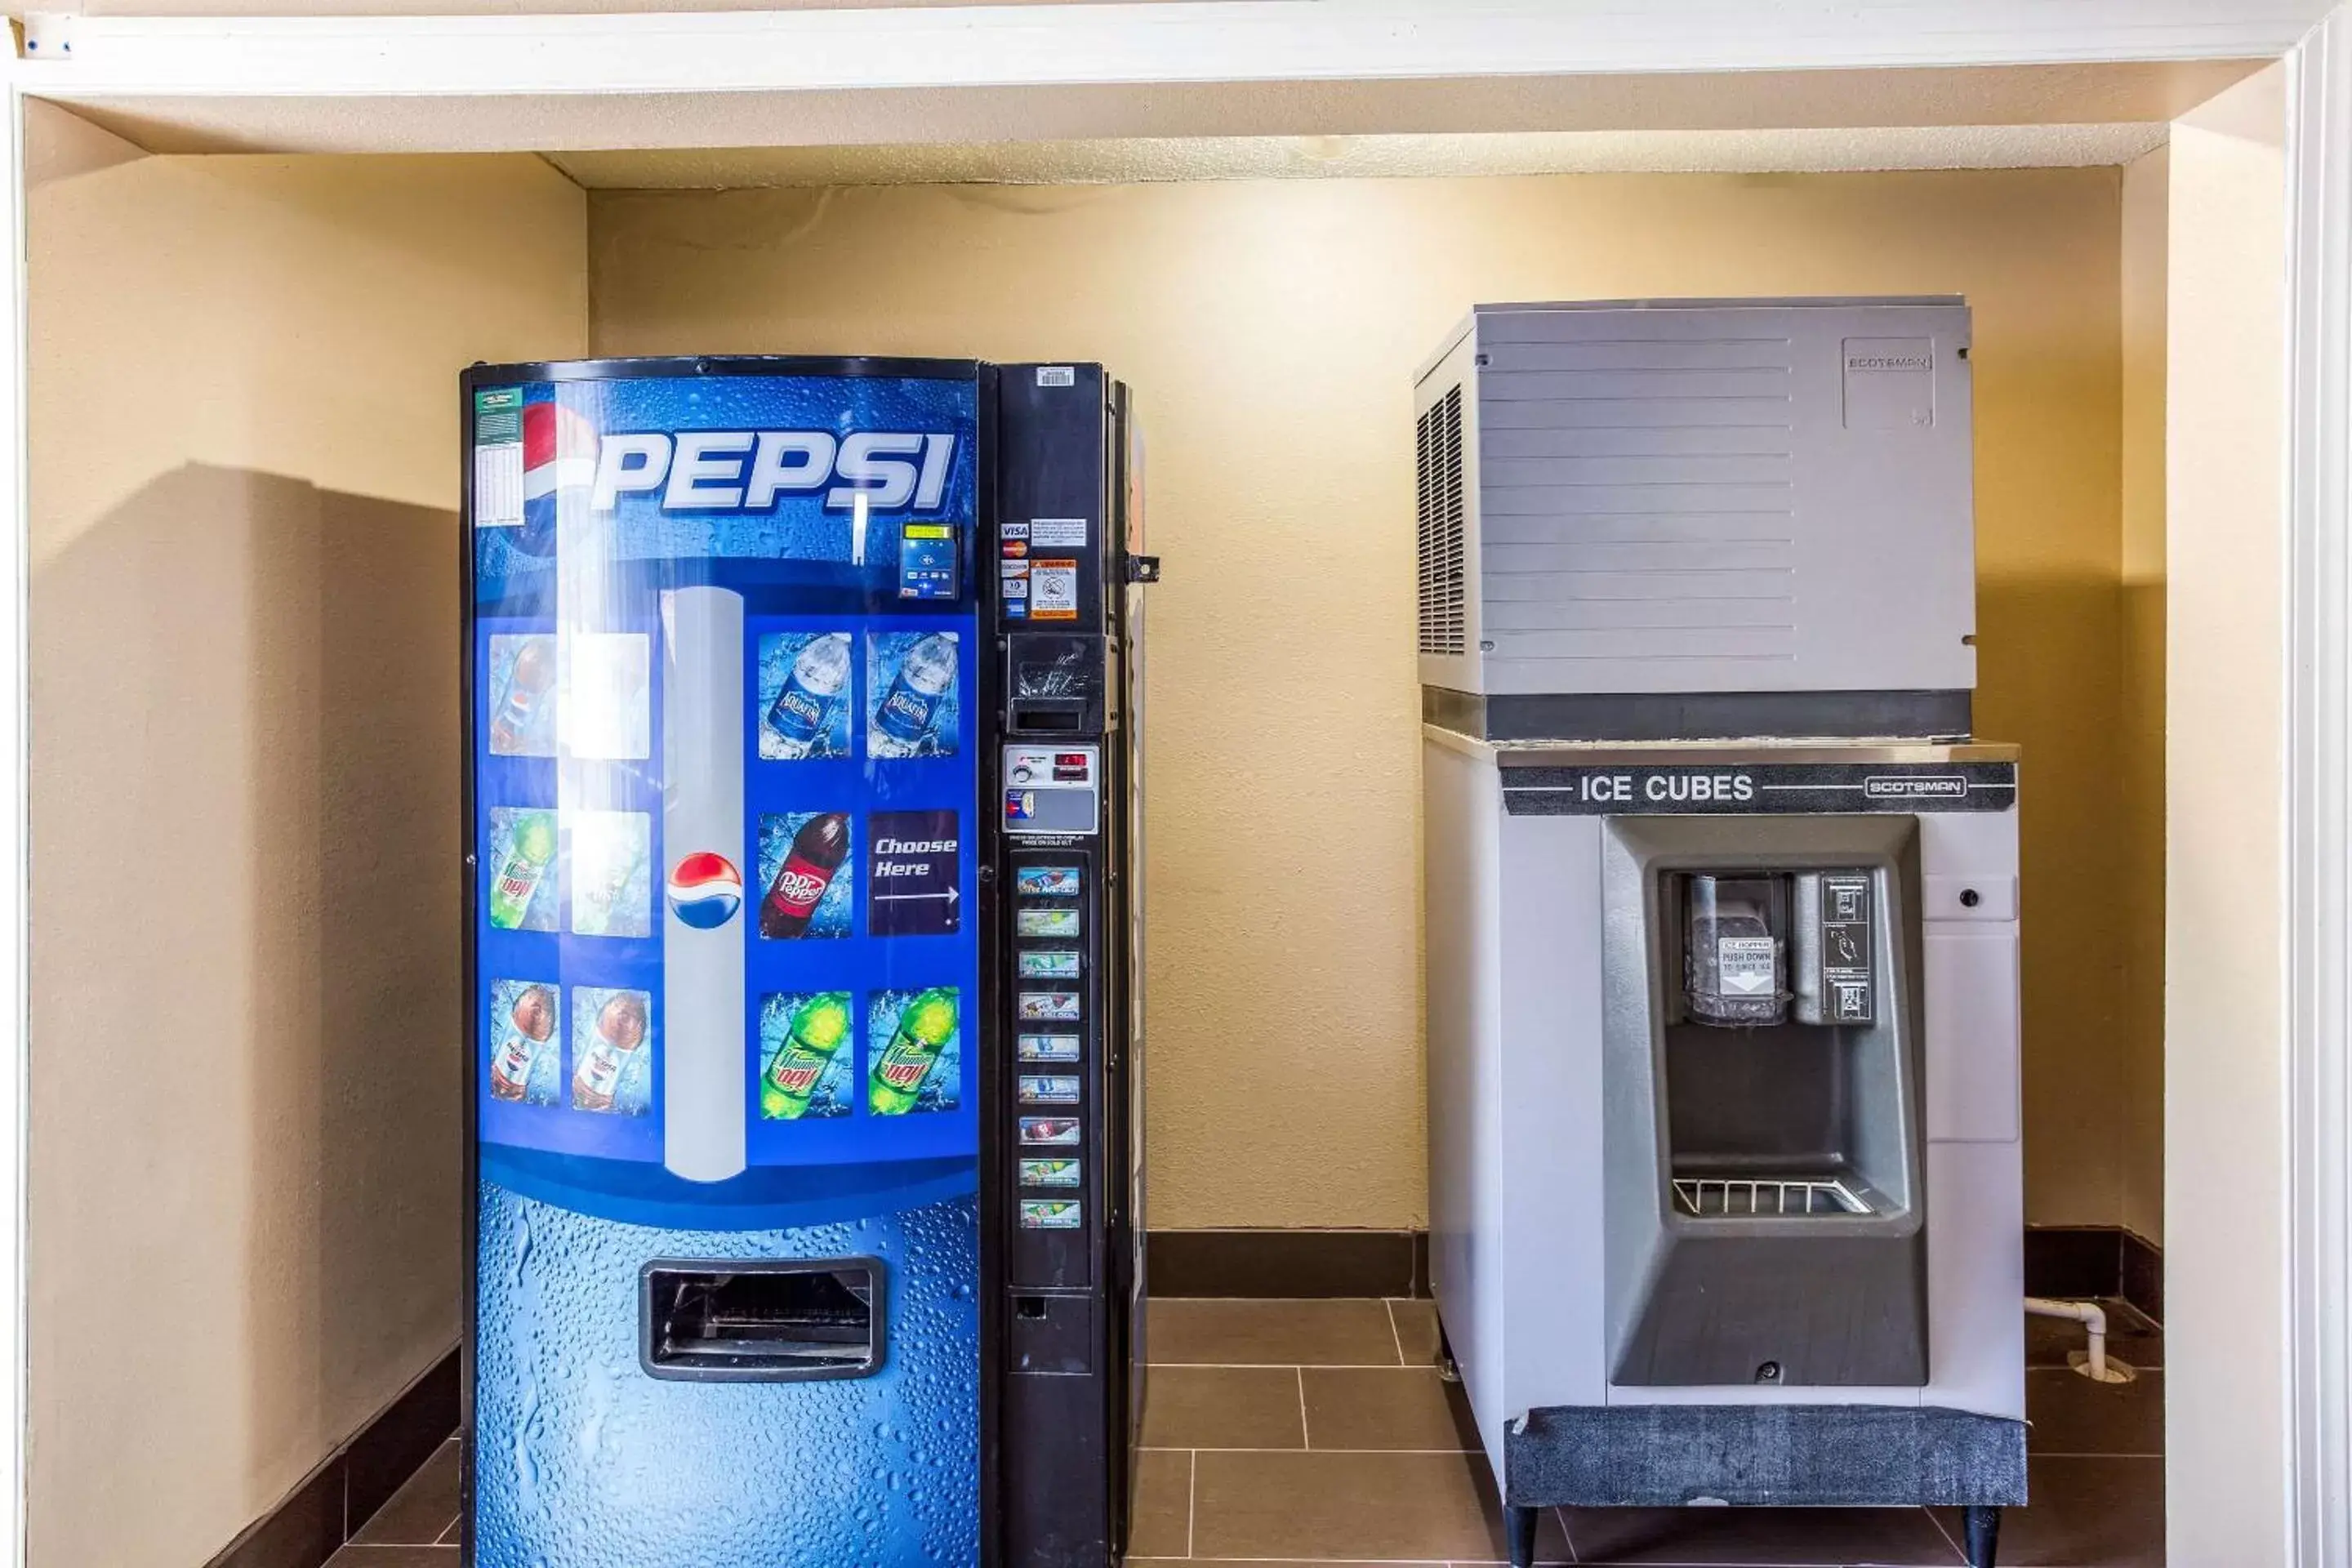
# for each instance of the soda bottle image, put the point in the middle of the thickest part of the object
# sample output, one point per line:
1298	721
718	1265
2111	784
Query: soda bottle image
605	865
817	853
528	679
515	874
814	688
819	1029
911	706
926	1023
620	1030
534	1021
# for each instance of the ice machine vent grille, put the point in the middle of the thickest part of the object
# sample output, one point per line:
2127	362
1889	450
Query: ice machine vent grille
1440	529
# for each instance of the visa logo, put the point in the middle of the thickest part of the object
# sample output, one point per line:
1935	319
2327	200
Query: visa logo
750	470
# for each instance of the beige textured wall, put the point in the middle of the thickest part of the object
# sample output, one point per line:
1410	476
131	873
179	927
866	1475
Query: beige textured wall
2139	753
2225	1184
245	777
1271	330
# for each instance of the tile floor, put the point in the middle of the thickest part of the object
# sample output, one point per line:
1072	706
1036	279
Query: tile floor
1320	1433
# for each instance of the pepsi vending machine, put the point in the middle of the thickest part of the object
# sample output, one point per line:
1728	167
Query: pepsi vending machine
803	709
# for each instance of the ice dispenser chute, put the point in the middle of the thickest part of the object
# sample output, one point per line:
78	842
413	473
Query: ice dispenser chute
1763	1013
1735	952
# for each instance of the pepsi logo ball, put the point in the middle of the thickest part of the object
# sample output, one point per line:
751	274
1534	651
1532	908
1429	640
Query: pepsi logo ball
705	891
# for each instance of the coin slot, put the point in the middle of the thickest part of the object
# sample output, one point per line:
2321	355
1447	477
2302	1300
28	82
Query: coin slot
763	1320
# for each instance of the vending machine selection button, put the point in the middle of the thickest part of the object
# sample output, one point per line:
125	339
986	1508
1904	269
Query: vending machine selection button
1049	1088
1050	1173
1049	1213
1052	1006
1047	882
1050	963
1049	1047
1061	922
1055	1132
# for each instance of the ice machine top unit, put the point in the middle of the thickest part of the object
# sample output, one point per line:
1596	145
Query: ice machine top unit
801	717
1692	520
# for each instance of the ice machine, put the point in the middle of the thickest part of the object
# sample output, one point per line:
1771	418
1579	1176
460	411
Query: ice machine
803	702
1726	1198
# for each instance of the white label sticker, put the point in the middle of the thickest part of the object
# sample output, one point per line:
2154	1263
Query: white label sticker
1058	375
497	486
1744	964
1069	531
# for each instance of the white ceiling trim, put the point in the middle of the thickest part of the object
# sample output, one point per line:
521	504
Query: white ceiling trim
1131	160
1226	41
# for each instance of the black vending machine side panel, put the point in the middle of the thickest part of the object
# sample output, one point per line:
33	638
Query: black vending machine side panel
1067	1233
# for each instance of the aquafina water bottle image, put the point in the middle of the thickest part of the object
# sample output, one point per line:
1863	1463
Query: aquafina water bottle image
809	714
913	695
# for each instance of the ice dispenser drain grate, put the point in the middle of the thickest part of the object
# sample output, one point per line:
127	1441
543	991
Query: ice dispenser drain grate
763	1321
1741	1196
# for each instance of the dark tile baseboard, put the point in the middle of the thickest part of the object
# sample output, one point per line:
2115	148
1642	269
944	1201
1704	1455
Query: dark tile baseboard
2095	1260
1288	1263
2059	1260
316	1516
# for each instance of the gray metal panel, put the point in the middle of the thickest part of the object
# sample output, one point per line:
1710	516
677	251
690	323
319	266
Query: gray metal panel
1461	810
1723	497
1552	1119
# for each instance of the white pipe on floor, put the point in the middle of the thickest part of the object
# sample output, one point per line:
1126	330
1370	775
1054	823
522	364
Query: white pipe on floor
2091	1315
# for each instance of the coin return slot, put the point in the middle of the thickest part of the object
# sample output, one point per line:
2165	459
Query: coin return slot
1034	713
763	1321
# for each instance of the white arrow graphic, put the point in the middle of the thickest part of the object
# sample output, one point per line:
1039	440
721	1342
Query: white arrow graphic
895	897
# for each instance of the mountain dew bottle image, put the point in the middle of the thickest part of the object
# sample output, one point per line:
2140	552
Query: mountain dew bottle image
515	874
818	1031
926	1023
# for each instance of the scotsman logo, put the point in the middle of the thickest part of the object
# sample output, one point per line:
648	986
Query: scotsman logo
1857	362
1939	786
750	470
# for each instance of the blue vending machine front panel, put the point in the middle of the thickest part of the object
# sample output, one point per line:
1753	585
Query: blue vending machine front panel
726	963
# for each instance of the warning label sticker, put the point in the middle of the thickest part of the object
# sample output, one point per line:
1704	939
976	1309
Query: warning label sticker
1054	590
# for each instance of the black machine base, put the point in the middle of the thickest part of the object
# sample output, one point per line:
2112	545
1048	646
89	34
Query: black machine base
1701	715
1763	1456
1983	1527
1519	1525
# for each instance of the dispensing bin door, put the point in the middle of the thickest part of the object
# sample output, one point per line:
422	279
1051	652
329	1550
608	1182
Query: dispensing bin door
725	955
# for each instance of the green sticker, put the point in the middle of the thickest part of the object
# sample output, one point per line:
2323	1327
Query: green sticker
498	417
